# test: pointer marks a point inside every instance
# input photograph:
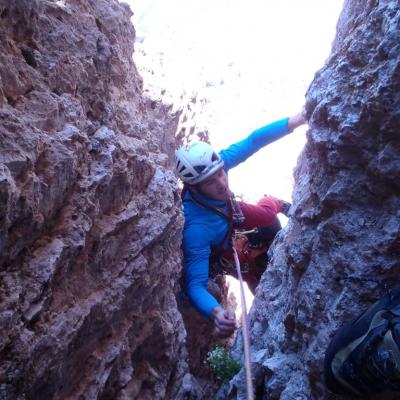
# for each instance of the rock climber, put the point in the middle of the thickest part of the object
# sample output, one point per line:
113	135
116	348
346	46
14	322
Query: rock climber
211	212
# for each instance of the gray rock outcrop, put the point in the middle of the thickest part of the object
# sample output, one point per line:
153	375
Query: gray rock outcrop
342	243
90	220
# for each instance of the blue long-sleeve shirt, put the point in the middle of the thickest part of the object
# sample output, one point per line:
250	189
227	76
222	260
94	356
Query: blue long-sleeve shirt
204	228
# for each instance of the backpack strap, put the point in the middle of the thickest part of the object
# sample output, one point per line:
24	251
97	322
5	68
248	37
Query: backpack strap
217	249
219	211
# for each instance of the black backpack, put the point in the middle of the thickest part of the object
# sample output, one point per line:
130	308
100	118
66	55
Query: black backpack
364	356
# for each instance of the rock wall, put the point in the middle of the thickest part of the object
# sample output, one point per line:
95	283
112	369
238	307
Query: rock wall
90	219
345	218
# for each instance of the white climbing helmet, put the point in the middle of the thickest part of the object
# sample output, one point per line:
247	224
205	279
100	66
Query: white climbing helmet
197	162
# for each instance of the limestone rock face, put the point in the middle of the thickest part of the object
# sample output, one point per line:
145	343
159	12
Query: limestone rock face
342	242
90	220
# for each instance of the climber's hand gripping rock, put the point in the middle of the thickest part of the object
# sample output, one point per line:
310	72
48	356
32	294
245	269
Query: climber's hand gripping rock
224	321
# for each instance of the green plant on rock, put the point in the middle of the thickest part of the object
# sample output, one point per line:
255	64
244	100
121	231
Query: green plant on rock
222	364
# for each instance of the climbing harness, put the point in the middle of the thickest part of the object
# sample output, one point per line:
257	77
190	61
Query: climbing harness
222	260
245	330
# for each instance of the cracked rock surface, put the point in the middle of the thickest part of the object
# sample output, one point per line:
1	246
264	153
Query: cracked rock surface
342	242
90	220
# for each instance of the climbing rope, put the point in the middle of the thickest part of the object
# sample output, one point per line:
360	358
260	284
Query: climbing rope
245	331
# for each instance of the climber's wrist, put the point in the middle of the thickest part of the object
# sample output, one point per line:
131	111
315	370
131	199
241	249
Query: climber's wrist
215	311
296	120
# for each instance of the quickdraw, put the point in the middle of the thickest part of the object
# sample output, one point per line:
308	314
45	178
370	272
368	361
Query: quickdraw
247	252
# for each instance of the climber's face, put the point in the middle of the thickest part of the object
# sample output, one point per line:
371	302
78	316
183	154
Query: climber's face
215	186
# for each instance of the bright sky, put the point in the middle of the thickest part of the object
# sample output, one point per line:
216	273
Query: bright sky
250	61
